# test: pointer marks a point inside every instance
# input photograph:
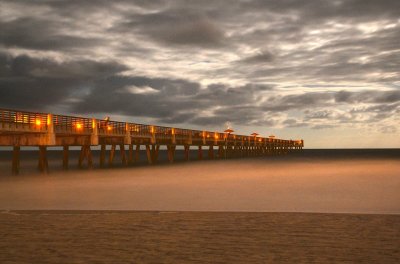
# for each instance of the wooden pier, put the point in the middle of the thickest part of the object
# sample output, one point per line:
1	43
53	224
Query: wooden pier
21	128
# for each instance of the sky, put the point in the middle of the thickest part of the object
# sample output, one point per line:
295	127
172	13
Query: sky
323	71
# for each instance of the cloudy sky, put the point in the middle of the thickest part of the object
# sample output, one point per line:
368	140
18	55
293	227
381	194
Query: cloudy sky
324	71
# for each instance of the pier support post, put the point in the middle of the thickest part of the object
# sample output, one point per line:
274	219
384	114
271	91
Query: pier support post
187	149
65	157
123	154
152	153
86	154
15	160
220	151
102	155
137	153
130	154
211	152
43	163
200	154
157	149
171	152
112	155
148	153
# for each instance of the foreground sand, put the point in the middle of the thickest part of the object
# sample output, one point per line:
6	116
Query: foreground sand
190	237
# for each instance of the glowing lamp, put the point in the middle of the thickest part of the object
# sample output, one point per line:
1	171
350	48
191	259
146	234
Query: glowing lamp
38	122
109	128
78	126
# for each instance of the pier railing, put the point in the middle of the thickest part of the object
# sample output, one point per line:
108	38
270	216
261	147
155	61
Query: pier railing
36	122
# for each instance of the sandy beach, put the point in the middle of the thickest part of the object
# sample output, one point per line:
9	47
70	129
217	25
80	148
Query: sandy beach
197	237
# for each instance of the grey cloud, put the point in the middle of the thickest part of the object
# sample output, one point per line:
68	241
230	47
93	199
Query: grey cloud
176	100
176	26
40	34
31	83
262	57
324	114
294	123
368	96
325	10
322	126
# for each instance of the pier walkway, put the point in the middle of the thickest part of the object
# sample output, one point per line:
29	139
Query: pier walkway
21	128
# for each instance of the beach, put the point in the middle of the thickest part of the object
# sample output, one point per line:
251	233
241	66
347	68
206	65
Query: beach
316	207
197	237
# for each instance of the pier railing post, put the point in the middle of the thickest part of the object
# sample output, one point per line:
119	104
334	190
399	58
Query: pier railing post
94	137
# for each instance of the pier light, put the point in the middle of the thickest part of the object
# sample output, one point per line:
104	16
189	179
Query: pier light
38	122
49	119
109	128
78	126
208	135
260	140
216	136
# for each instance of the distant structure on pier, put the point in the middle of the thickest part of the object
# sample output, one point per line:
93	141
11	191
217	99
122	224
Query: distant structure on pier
21	128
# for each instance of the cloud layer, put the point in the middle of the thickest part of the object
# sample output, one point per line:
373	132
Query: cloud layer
318	65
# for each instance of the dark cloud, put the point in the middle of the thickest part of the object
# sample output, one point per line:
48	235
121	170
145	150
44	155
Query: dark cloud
41	34
262	57
31	83
174	100
368	96
177	27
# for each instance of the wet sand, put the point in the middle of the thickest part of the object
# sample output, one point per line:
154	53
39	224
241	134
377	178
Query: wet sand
227	211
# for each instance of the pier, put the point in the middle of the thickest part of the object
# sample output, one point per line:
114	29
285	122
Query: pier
21	128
